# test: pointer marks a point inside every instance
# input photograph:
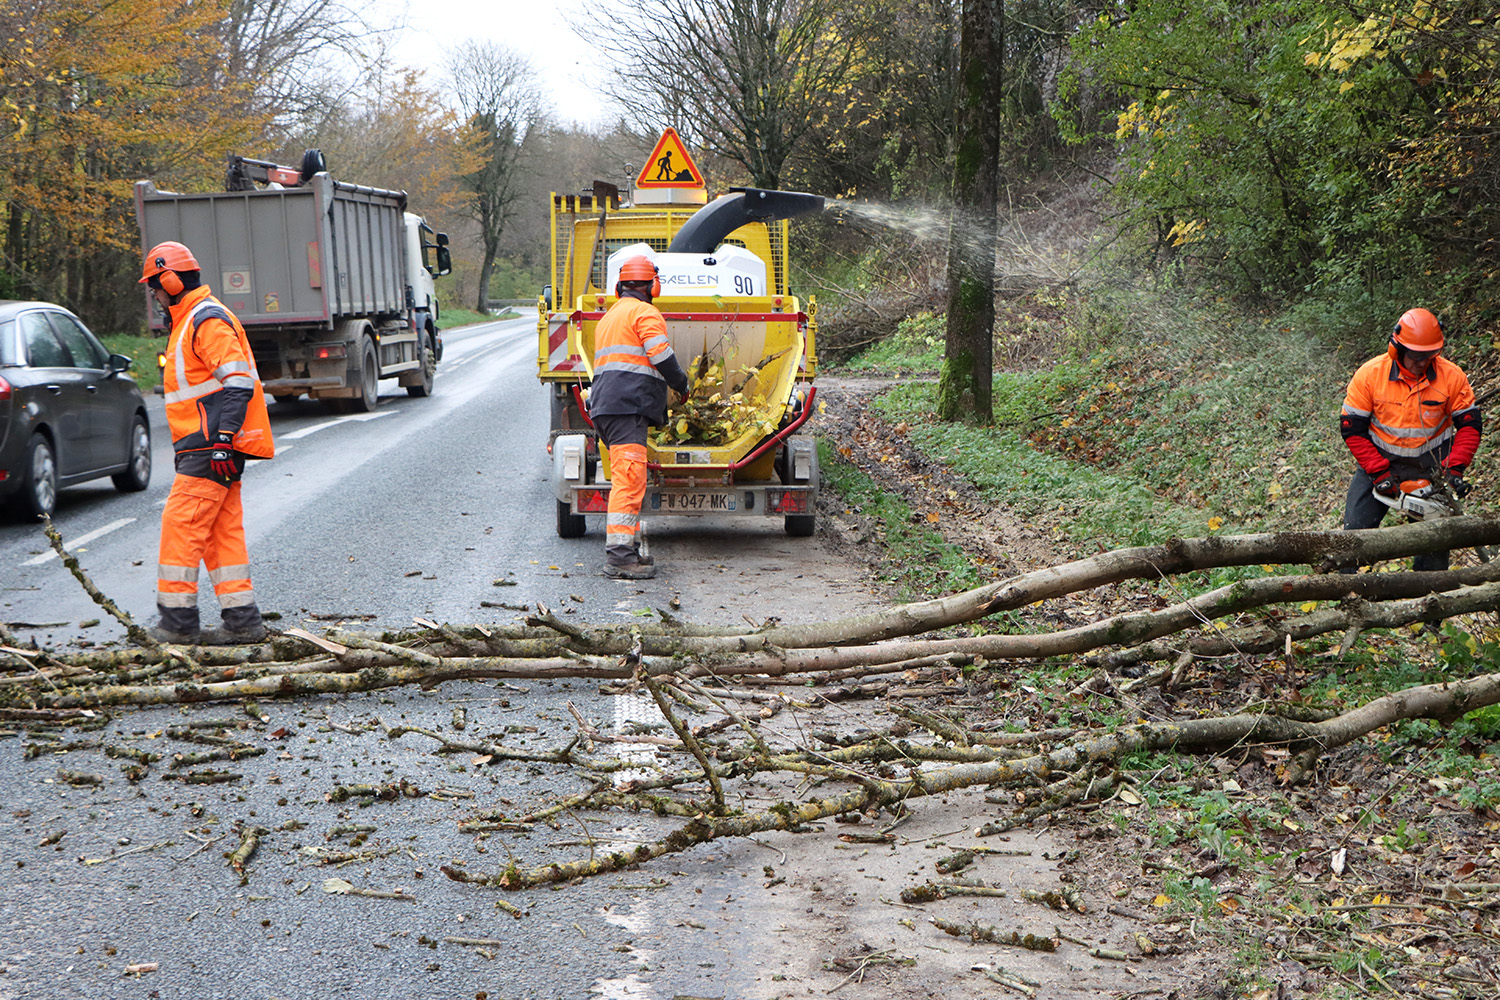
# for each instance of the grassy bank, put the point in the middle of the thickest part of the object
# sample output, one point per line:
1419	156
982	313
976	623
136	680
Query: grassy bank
142	352
1151	418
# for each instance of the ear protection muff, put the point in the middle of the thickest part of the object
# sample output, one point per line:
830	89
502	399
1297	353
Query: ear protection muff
655	285
169	281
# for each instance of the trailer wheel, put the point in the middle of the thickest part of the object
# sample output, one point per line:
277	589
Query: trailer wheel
369	381
429	368
800	525
569	524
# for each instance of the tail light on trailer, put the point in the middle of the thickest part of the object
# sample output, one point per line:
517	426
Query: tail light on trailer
325	352
4	388
593	501
789	502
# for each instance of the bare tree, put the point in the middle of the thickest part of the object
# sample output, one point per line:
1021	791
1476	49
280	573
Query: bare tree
290	49
500	101
964	391
745	79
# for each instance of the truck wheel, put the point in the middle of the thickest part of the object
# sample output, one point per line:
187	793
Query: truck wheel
569	524
38	493
369	381
136	475
429	368
800	525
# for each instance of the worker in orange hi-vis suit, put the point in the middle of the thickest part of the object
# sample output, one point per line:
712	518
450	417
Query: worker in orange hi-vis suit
216	409
1409	413
633	368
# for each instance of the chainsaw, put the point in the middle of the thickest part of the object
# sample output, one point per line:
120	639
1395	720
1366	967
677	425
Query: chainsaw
1421	499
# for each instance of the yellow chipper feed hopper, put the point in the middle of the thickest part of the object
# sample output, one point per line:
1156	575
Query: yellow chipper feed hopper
732	447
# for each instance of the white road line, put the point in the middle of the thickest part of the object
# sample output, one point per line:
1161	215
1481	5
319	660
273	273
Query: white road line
80	540
304	432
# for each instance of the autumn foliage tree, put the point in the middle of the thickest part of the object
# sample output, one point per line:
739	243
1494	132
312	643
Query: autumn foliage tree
92	94
1296	145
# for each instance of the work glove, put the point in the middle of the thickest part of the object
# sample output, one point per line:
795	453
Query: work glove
1386	485
221	459
1456	482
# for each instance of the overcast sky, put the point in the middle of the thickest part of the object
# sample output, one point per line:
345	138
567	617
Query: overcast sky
568	68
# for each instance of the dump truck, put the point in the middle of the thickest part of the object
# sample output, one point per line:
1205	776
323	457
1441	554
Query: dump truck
332	281
732	322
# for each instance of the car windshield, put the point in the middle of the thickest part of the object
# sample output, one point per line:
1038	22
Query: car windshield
7	343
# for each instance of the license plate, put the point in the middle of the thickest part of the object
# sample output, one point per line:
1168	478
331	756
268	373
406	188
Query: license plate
701	503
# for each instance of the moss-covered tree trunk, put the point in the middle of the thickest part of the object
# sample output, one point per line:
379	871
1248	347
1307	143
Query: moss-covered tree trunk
964	390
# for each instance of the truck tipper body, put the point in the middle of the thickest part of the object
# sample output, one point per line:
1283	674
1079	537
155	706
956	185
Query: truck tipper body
332	281
729	310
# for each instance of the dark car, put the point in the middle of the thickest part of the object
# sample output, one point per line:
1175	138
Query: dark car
68	411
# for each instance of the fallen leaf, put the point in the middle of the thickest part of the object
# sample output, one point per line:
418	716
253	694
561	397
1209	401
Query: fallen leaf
1129	797
1337	862
337	886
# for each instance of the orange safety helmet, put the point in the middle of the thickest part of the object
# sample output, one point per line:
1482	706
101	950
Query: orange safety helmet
641	269
168	259
1418	330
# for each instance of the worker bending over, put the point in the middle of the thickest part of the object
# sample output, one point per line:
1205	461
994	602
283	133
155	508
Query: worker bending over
216	409
633	368
1409	414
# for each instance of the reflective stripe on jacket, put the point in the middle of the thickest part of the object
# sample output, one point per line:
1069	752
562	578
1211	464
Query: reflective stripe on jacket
210	382
633	362
1408	416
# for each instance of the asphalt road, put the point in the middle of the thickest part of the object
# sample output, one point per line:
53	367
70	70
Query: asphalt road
413	510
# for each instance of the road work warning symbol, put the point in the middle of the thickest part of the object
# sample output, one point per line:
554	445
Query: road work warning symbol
669	165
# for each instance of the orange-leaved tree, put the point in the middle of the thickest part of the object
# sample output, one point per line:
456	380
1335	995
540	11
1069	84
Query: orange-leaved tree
94	95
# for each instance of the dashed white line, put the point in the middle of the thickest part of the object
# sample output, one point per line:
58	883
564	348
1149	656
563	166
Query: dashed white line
83	539
304	432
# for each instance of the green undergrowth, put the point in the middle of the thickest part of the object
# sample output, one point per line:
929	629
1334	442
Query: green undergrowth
919	562
1084	503
916	346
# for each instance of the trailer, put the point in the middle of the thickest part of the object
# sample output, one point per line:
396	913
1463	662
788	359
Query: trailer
332	281
726	302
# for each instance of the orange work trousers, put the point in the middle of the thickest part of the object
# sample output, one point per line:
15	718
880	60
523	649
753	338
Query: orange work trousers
203	522
627	474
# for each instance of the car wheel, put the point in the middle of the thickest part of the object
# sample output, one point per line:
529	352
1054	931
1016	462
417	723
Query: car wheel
429	368
38	494
137	473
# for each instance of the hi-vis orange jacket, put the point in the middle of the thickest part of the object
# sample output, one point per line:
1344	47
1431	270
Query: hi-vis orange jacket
210	383
1390	415
633	363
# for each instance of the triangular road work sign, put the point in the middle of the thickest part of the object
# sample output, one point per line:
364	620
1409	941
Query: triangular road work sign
669	165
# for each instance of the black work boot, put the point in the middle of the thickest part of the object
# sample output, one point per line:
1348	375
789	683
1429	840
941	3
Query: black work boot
633	569
177	626
242	625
